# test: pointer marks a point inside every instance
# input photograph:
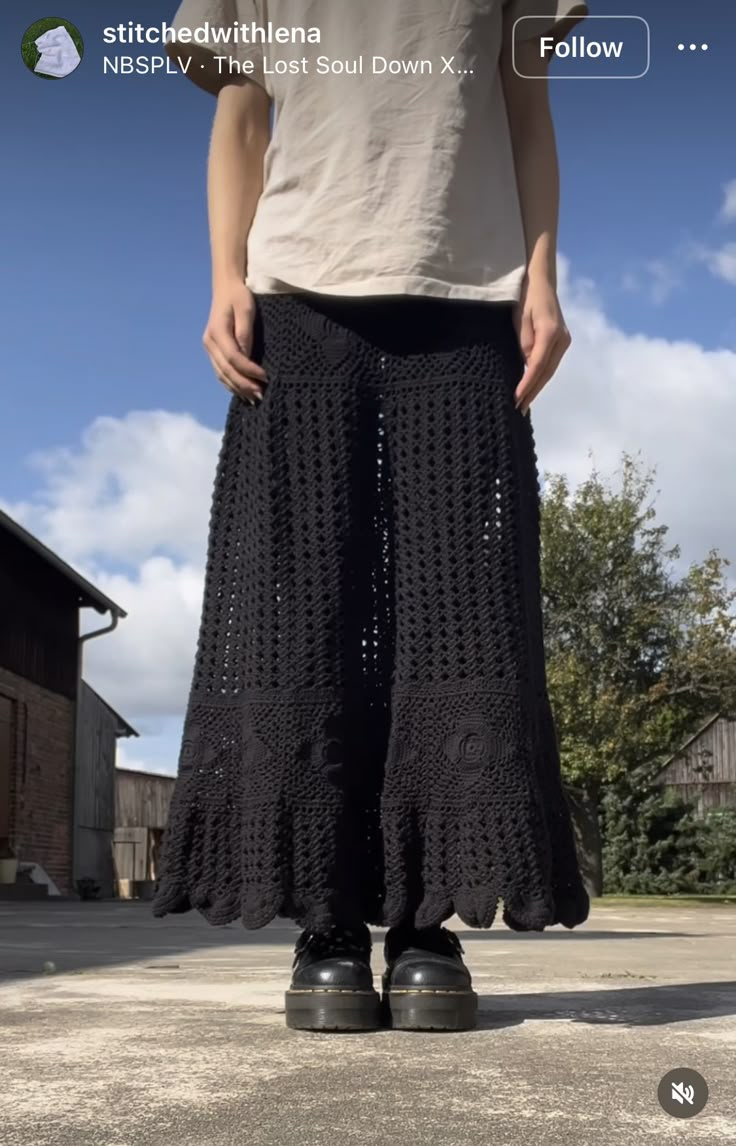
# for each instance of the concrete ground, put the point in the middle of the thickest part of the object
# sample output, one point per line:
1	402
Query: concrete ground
171	1032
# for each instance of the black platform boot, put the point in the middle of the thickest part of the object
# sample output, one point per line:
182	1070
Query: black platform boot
332	983
426	985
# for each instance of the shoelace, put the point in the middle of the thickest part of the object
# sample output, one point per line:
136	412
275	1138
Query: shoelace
336	939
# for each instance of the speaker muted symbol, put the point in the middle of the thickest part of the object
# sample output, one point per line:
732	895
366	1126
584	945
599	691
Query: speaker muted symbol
682	1093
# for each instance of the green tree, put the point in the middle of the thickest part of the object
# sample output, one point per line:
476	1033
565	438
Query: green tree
637	657
718	865
653	842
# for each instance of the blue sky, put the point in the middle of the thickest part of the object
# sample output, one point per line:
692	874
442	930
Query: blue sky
104	236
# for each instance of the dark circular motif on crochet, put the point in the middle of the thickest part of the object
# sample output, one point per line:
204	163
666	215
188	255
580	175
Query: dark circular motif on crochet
473	744
326	753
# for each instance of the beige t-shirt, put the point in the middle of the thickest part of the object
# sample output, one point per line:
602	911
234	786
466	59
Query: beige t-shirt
389	169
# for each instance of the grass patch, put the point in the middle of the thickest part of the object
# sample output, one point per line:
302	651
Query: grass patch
30	52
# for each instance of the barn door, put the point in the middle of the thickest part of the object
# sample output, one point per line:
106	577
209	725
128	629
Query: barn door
130	849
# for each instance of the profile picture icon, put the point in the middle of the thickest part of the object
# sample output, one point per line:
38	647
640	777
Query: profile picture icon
52	48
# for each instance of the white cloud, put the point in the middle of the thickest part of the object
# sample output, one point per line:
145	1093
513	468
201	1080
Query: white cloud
128	508
128	505
664	279
132	487
671	400
656	278
728	208
129	756
145	665
659	278
125	758
722	262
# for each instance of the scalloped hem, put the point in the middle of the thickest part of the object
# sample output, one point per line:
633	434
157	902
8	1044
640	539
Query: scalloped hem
259	908
476	907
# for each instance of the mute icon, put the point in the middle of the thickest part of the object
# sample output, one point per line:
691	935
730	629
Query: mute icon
682	1092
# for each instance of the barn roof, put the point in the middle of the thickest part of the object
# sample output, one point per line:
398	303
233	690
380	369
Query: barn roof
147	775
123	728
698	732
87	593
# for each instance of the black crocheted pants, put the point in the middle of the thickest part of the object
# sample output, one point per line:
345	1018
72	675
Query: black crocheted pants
368	735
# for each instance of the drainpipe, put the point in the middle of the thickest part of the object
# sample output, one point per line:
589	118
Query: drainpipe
77	726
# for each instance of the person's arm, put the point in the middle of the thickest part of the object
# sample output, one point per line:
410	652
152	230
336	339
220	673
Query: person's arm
240	136
543	335
535	155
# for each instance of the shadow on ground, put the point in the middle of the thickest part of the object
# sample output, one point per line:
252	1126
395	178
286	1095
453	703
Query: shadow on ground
77	936
122	936
620	1006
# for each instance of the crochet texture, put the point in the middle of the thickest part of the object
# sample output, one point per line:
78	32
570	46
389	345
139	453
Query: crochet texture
368	734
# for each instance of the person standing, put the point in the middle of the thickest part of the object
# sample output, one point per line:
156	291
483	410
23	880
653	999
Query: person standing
368	737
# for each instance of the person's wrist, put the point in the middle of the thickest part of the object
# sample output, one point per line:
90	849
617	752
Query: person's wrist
542	271
539	279
226	279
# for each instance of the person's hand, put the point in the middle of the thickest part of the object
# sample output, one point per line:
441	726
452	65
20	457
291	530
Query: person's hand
543	338
228	340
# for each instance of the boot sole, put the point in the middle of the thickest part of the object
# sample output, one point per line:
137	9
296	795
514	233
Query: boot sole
333	1010
430	1010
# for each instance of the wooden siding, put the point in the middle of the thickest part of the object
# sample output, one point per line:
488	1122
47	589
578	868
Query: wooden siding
95	784
131	855
704	773
94	801
39	620
142	799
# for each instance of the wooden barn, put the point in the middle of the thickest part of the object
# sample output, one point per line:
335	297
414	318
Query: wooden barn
141	810
57	736
703	770
98	728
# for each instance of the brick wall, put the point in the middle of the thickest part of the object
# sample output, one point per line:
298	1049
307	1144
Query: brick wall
42	778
